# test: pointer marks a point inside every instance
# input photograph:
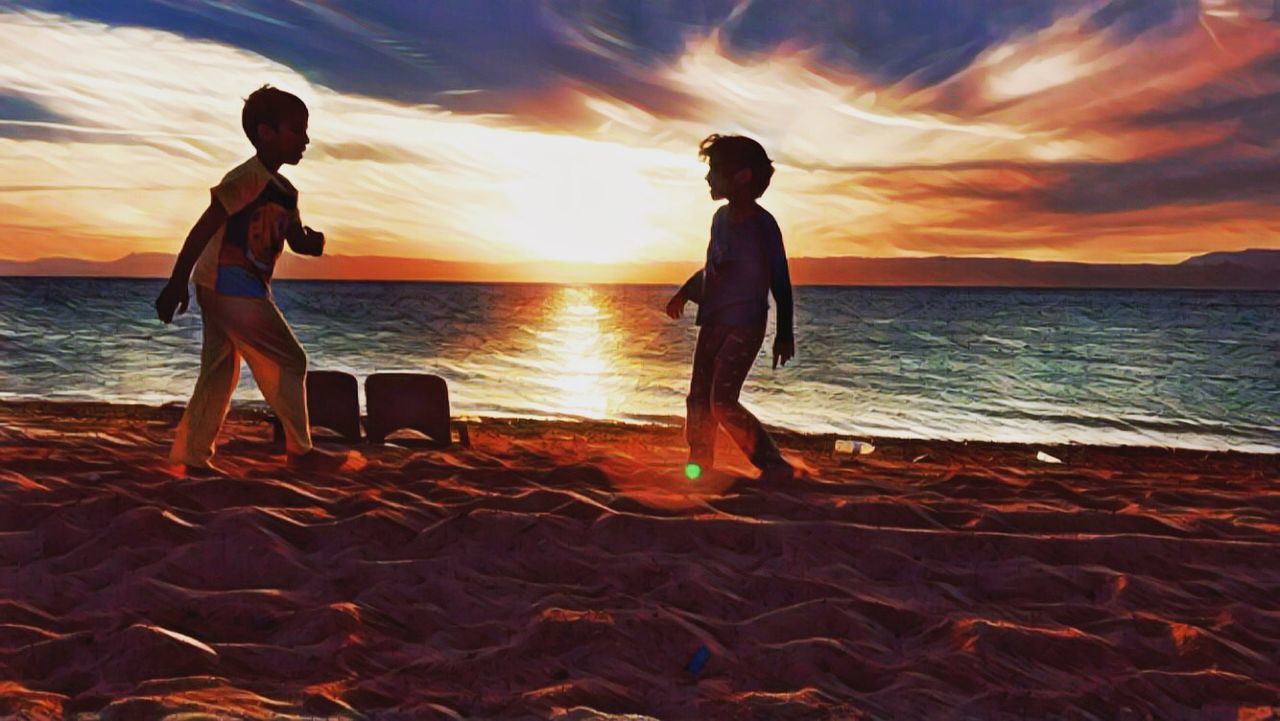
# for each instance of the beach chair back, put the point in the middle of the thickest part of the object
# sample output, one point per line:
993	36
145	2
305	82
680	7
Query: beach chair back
416	401
333	402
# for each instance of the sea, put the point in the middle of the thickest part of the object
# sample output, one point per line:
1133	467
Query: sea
1173	368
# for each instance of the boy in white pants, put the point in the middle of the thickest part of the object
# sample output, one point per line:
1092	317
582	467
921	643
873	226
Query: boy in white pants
233	248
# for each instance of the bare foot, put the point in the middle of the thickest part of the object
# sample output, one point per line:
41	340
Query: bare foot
325	461
776	473
207	470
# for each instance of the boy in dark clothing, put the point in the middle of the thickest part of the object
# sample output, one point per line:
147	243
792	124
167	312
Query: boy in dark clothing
745	262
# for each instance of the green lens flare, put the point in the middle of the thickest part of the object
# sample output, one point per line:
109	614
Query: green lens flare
693	470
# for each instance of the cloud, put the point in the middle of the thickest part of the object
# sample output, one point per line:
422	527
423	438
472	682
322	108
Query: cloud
479	131
485	55
21	110
154	105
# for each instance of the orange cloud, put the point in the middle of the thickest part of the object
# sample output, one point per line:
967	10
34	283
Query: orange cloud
1071	142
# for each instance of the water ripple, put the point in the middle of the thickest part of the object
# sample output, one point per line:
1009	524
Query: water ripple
1191	369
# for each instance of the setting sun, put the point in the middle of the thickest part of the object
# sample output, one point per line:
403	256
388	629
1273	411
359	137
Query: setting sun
580	201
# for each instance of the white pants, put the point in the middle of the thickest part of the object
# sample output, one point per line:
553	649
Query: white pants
253	329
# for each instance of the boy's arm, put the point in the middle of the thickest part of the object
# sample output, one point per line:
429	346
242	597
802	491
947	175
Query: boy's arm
784	343
175	295
303	240
692	288
690	291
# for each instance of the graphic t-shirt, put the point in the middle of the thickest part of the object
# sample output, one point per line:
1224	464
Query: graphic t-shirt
242	254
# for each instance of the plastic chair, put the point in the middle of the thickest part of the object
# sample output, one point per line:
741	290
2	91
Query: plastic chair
416	401
333	402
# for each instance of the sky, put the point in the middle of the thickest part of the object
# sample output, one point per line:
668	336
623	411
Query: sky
522	131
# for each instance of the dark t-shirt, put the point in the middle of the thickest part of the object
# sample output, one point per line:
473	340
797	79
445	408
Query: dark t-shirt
745	262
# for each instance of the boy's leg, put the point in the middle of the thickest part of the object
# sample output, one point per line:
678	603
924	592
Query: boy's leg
193	446
700	424
277	360
732	364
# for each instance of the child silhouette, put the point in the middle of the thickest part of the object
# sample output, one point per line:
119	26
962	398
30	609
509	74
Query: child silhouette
745	262
233	249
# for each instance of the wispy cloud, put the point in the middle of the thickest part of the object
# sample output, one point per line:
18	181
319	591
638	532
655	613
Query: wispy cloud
423	181
1087	133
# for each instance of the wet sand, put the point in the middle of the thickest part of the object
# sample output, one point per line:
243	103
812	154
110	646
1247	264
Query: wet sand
570	571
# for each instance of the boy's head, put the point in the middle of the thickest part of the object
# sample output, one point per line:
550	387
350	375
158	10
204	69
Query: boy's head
739	166
276	123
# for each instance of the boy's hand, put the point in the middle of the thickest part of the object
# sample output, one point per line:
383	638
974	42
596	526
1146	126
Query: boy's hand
783	351
314	241
175	296
675	306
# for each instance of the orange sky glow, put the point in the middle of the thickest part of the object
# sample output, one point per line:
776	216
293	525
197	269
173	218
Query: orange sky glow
1065	143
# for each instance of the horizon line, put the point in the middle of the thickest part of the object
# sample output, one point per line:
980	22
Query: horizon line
615	264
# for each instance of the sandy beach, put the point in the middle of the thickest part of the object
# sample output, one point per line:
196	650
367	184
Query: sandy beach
570	571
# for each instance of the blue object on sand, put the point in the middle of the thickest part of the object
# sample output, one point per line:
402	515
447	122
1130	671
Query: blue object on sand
699	659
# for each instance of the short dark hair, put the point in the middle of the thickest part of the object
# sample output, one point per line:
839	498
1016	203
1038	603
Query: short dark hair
735	152
271	106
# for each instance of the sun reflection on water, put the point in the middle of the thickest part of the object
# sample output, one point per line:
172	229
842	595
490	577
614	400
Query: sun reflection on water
575	348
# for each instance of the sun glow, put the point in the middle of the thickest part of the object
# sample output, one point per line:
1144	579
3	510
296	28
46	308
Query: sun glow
576	348
579	201
380	178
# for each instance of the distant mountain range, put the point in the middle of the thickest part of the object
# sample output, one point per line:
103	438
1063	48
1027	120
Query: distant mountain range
1246	269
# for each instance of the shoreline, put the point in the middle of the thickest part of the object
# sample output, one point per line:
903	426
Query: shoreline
257	411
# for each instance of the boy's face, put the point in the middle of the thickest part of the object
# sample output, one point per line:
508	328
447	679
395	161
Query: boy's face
287	140
725	181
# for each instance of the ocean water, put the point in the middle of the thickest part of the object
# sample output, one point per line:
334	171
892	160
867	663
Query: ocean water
1191	369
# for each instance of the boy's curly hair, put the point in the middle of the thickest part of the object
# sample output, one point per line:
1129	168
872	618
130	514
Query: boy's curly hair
271	106
735	152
